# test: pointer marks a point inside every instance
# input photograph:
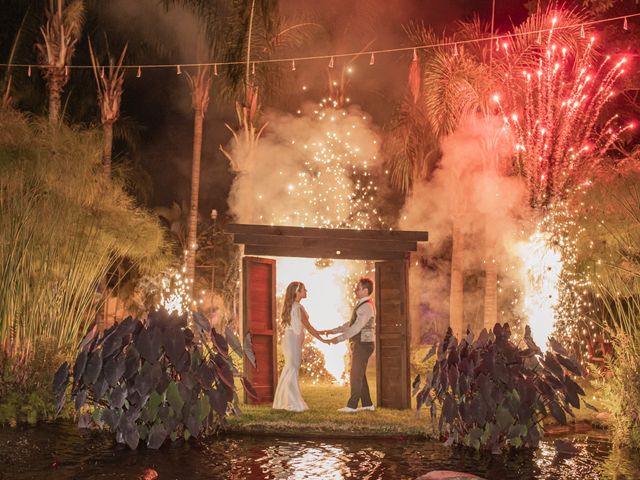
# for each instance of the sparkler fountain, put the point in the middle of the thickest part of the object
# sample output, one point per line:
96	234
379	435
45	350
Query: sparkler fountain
314	170
559	147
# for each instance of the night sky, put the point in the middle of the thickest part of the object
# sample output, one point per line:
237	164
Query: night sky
160	101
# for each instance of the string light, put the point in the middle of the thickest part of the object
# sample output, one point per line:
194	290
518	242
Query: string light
625	25
415	55
373	59
29	71
455	49
139	74
293	65
215	69
178	71
331	63
352	54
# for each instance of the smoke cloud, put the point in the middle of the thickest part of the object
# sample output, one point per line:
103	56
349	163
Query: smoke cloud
472	186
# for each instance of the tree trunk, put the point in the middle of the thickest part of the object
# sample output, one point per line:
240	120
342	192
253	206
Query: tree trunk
107	148
195	187
490	293
456	299
55	94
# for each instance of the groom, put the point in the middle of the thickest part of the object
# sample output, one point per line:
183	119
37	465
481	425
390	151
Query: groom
360	331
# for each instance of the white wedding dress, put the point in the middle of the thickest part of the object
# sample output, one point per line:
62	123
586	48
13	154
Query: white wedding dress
288	396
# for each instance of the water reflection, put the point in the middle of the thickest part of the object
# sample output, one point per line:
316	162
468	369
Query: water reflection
59	451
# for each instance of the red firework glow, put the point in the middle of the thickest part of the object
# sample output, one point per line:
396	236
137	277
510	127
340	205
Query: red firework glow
557	140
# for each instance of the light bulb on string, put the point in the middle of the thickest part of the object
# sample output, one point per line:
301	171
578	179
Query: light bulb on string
331	63
215	69
625	24
139	74
293	65
372	60
178	71
29	71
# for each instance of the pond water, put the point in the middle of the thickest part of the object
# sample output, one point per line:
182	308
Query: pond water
60	451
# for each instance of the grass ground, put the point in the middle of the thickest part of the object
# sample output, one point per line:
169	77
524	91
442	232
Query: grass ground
323	419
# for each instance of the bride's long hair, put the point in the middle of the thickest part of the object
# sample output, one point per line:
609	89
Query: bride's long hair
289	298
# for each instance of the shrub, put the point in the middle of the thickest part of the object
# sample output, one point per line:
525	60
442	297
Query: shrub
493	395
155	380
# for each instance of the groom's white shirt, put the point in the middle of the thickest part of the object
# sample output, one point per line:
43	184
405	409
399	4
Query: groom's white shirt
364	313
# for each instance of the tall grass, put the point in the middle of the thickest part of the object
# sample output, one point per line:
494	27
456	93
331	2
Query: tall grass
617	282
62	227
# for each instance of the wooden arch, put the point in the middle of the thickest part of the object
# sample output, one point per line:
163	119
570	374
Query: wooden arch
389	249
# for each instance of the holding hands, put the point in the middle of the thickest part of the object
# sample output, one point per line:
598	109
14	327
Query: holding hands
328	341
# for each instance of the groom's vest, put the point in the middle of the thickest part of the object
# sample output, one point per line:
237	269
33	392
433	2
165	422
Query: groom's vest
367	333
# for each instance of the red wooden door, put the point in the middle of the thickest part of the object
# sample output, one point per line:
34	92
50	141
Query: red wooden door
393	383
259	319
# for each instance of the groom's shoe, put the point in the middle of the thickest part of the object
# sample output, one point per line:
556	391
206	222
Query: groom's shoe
347	410
371	408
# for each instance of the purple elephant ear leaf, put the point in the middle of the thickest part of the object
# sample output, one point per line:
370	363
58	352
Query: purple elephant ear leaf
415	386
157	436
248	349
233	340
431	352
249	389
220	343
87	338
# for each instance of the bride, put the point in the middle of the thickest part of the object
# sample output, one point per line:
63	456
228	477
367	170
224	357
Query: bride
296	320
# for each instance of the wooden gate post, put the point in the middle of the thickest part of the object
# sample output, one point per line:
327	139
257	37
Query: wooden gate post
393	383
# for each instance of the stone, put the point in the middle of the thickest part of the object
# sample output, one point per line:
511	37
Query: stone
448	475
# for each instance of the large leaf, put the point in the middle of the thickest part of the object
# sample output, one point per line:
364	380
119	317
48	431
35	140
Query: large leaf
157	436
111	344
111	417
174	398
249	389
248	349
144	381
552	364
206	375
557	412
431	352
557	347
114	369
173	341
504	419
118	396
132	436
218	401
415	386
191	418
132	362
151	408
145	346
219	342
94	367
570	364
99	388
201	323
233	341
79	366
61	380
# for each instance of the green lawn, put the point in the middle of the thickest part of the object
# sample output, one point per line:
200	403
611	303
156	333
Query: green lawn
322	417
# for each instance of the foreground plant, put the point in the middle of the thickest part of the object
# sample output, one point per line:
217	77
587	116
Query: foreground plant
157	380
493	395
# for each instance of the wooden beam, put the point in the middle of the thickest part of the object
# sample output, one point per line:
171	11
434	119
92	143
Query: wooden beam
309	232
326	243
319	252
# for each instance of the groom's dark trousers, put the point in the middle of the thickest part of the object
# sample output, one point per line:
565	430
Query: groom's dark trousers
360	353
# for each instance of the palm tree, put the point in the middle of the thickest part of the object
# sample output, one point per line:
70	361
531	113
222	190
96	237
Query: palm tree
200	84
110	85
60	35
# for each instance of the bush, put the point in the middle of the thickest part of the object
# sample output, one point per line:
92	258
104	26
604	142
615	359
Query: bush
155	380
493	395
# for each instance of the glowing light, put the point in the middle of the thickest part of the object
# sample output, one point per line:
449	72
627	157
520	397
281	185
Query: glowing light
541	267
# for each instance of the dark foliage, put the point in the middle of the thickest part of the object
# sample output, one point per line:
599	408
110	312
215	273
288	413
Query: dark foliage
155	380
493	395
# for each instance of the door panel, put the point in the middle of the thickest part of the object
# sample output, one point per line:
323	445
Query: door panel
259	319
392	334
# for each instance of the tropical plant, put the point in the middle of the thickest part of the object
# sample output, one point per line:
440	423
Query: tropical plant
155	380
60	34
494	395
59	224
